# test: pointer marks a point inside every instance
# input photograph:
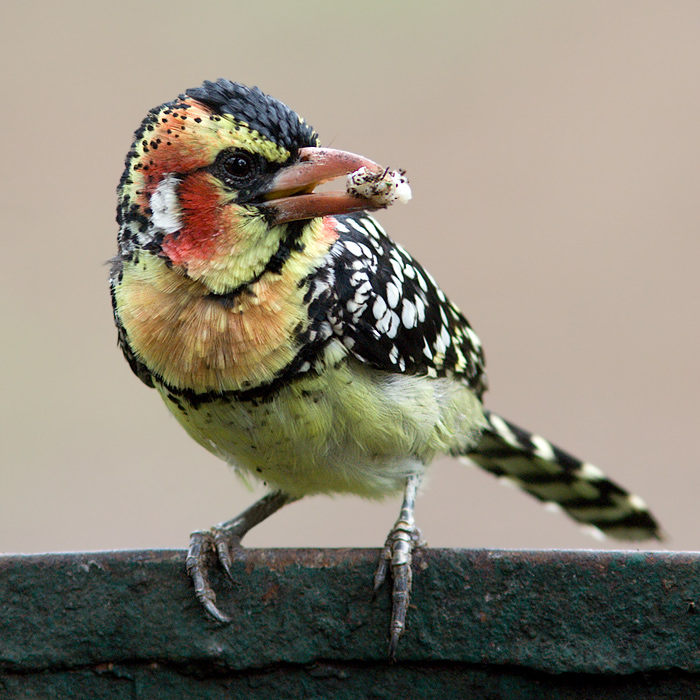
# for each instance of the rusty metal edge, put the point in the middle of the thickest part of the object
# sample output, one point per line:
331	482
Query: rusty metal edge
613	612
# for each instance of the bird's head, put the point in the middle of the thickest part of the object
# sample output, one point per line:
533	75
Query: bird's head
217	180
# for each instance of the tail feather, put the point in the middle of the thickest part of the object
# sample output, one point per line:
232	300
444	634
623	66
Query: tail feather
554	476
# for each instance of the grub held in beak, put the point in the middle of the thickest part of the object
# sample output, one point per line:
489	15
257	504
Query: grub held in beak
291	196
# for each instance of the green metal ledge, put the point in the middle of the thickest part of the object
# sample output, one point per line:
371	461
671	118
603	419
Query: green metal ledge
483	624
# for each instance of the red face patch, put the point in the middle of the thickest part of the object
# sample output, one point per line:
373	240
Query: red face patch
202	217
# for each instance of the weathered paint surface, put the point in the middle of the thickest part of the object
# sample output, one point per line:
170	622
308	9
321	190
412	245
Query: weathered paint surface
501	623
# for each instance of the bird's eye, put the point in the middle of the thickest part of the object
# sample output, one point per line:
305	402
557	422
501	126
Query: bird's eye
239	165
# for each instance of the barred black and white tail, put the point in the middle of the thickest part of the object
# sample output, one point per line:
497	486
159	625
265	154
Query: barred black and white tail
553	476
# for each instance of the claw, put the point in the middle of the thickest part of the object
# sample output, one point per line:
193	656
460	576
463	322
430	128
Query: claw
218	543
402	541
396	556
383	566
201	546
223	543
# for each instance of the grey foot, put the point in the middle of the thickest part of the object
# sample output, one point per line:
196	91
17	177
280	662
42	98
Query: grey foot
216	544
395	560
204	547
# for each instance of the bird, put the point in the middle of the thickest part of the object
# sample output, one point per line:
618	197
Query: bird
292	338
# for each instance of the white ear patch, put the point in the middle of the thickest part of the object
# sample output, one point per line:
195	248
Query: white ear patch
165	206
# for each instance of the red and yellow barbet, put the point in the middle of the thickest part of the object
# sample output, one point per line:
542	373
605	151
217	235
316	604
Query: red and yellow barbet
291	337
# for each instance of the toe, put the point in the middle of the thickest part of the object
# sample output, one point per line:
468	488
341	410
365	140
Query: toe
198	559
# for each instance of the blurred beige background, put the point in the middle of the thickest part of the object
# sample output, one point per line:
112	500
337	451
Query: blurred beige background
554	154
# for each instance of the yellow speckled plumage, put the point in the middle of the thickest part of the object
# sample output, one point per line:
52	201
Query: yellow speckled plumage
336	433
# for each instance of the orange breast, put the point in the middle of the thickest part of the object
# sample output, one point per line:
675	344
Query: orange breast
184	335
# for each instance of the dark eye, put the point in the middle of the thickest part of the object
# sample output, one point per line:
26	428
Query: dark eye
239	165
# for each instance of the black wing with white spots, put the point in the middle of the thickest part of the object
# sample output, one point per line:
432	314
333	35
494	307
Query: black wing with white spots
390	313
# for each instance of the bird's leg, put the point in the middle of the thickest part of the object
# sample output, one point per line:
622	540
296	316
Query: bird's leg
220	539
397	556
